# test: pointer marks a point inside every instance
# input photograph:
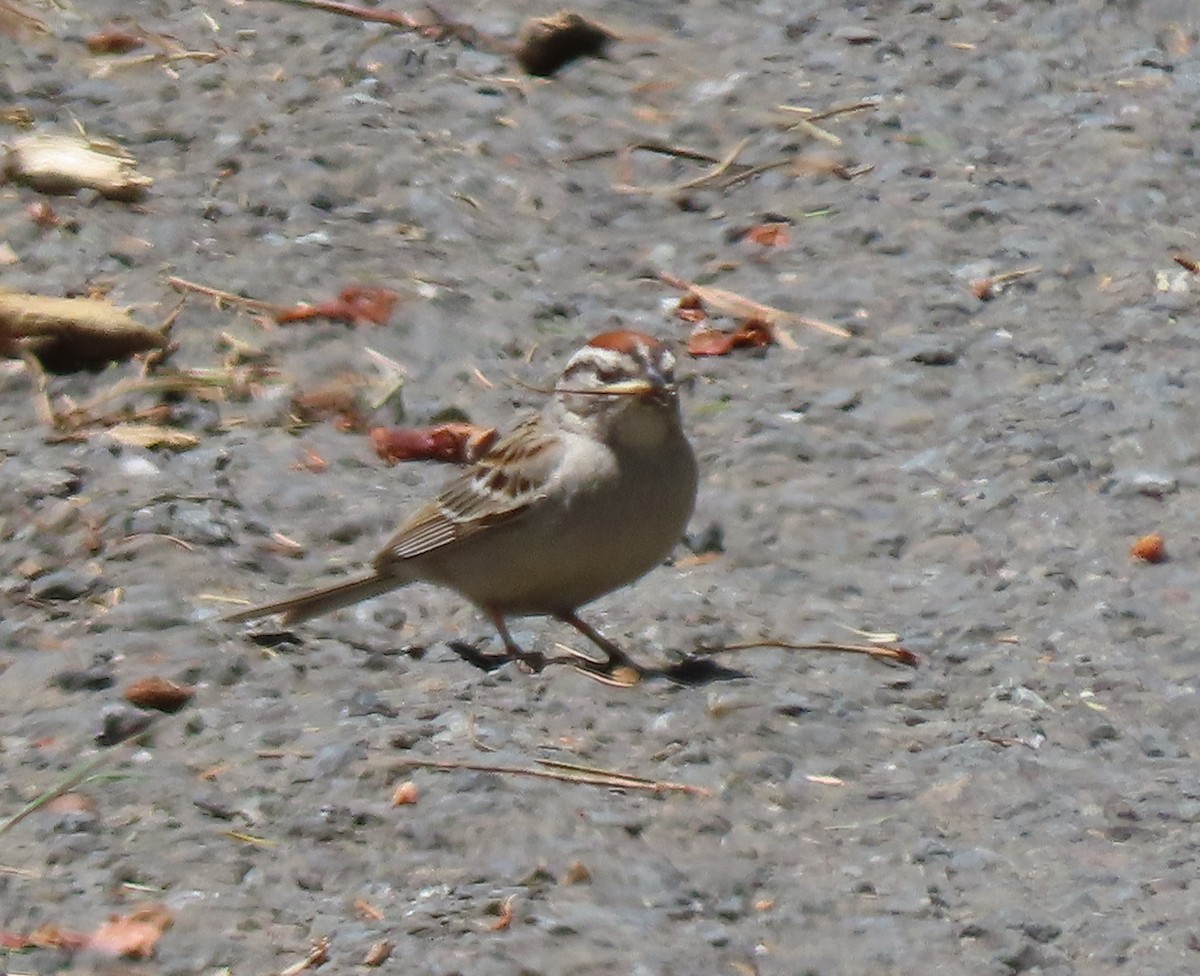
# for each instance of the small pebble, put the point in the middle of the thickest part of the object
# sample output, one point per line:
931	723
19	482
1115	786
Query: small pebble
64	584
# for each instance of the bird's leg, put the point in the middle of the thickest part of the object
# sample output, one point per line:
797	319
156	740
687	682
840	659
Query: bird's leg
531	661
617	669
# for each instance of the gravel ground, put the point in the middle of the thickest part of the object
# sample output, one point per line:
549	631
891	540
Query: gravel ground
968	474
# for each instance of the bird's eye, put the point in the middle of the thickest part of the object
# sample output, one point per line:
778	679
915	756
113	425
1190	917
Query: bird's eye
608	375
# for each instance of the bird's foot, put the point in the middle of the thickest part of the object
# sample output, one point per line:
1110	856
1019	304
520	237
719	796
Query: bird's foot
530	662
617	674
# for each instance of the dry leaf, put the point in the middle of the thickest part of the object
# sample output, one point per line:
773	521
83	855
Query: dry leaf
151	436
577	873
340	400
367	910
47	936
506	915
132	936
159	694
453	443
42	215
354	304
738	306
751	334
768	235
54	163
312	462
114	40
1151	548
68	334
70	803
690	308
550	43
379	953
317	956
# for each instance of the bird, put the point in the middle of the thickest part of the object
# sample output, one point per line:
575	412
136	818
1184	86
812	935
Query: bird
581	498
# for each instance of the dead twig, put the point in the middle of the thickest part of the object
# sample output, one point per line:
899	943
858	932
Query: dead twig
224	297
565	773
725	173
988	288
661	148
738	306
437	28
882	652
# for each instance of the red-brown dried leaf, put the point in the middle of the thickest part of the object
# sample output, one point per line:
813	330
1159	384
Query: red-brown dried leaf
159	694
452	443
113	40
312	462
70	803
691	308
752	334
338	400
1150	548
768	235
43	215
710	342
51	936
378	954
354	304
504	922
132	936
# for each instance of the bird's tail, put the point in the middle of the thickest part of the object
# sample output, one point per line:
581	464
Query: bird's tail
314	603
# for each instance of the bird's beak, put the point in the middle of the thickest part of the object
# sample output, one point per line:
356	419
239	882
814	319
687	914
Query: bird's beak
651	385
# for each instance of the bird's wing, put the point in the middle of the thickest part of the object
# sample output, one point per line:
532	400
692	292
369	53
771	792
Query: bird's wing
500	486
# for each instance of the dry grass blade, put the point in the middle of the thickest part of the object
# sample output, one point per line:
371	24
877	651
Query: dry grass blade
653	146
13	20
815	131
862	105
565	773
731	303
72	779
723	166
318	955
881	652
725	172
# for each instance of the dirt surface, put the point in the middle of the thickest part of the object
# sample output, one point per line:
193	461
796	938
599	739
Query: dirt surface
967	474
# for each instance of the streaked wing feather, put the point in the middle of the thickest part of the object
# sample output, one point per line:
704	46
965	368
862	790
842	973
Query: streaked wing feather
498	487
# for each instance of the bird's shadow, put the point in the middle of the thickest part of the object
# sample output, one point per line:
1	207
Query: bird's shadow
692	672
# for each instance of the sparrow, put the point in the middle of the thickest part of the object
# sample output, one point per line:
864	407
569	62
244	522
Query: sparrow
580	499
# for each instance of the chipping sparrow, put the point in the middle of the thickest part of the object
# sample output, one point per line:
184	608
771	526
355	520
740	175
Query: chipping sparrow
580	499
